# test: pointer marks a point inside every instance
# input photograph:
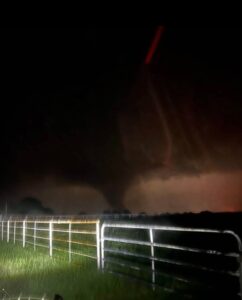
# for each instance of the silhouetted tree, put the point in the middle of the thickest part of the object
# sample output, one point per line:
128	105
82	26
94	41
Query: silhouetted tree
107	212
142	214
32	205
82	213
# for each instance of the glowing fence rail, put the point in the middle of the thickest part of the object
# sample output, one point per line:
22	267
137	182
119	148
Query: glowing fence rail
56	235
67	235
120	250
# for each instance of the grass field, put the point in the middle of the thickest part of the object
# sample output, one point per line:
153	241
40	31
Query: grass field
35	273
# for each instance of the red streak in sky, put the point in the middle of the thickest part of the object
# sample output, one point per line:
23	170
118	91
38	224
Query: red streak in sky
154	44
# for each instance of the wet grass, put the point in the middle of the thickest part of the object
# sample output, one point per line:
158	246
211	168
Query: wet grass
35	273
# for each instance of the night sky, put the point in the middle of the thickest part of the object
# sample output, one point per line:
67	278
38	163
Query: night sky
87	126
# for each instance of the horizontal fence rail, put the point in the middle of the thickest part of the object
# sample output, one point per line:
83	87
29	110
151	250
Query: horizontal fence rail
76	238
166	256
147	250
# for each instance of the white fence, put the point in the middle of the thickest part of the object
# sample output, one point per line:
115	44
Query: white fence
130	246
73	237
118	248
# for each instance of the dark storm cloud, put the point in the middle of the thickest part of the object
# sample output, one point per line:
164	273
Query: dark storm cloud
183	124
104	124
108	147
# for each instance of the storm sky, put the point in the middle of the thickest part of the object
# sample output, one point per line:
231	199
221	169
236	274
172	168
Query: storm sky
86	126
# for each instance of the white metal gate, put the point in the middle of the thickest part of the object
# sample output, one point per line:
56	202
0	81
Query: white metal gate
118	248
117	243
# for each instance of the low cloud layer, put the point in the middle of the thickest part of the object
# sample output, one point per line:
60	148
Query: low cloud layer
63	198
212	191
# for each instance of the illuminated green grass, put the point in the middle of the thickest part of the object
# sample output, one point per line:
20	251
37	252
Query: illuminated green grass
35	273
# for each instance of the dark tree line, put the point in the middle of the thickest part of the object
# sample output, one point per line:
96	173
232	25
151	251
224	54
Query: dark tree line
30	206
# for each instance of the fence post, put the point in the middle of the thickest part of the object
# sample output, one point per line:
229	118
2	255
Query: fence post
50	238
98	243
240	273
152	252
8	231
14	232
24	232
2	229
34	235
102	247
69	241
